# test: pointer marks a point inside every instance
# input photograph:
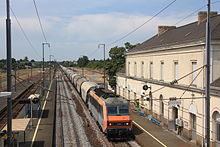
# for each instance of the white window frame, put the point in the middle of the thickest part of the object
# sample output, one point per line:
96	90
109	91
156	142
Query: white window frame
128	68
142	69
194	74
162	70
151	70
135	69
176	70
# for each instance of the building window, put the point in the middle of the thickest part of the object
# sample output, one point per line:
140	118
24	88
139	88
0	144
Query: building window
161	106
151	70
135	69
142	69
194	66
176	70
162	70
218	131
128	94
128	68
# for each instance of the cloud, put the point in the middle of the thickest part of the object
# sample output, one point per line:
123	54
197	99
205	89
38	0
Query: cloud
71	36
30	24
102	27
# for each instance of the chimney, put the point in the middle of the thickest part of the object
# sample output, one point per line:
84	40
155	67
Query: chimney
162	29
202	15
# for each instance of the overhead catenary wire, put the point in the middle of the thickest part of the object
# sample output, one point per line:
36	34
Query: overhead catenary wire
176	80
167	6
191	83
41	26
25	35
194	12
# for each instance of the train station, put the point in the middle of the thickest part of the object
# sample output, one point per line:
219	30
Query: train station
110	73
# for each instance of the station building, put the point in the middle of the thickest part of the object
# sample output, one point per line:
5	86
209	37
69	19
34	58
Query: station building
172	65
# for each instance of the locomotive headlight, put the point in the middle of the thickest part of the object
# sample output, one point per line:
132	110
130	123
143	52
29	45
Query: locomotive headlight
109	124
127	124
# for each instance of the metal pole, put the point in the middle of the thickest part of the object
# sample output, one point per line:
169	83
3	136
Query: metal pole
104	63
208	35
104	66
0	83
83	71
43	83
15	78
31	71
50	68
43	69
9	82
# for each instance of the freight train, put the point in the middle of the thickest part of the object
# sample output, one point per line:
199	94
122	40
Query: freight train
110	111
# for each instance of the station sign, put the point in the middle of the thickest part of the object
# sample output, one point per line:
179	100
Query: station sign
174	102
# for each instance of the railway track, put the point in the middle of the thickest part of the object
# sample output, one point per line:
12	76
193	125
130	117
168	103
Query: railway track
16	106
89	121
71	128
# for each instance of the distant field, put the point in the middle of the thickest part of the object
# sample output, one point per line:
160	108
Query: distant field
92	74
21	75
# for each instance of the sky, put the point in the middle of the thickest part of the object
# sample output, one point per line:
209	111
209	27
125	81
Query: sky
74	28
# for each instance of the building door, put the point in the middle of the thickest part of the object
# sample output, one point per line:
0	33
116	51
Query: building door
217	134
217	128
161	108
172	125
193	125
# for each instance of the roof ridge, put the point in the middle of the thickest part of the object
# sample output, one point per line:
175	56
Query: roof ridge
179	35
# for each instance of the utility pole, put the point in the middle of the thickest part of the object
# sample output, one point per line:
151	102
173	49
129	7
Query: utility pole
43	83
15	77
104	62
9	82
31	70
0	83
207	92
50	65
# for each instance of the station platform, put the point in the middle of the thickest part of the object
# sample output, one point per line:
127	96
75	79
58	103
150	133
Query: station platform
148	133
40	133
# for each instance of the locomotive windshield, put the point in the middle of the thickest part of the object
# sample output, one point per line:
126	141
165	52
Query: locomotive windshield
112	110
118	110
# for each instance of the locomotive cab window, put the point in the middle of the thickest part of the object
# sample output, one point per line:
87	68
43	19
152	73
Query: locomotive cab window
112	111
123	110
118	110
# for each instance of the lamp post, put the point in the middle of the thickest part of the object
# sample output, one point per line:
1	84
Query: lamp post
207	91
43	83
104	61
50	65
9	82
81	56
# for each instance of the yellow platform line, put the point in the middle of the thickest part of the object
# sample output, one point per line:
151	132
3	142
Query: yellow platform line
149	133
38	123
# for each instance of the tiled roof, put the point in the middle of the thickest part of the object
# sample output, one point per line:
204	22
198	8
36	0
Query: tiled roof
216	83
188	33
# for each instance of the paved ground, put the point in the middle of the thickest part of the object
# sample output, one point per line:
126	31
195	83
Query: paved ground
41	134
158	136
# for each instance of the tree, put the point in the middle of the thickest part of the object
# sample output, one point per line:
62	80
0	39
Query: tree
83	61
129	46
115	64
1	65
25	59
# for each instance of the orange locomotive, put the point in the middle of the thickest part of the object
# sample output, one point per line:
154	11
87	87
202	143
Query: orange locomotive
111	112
